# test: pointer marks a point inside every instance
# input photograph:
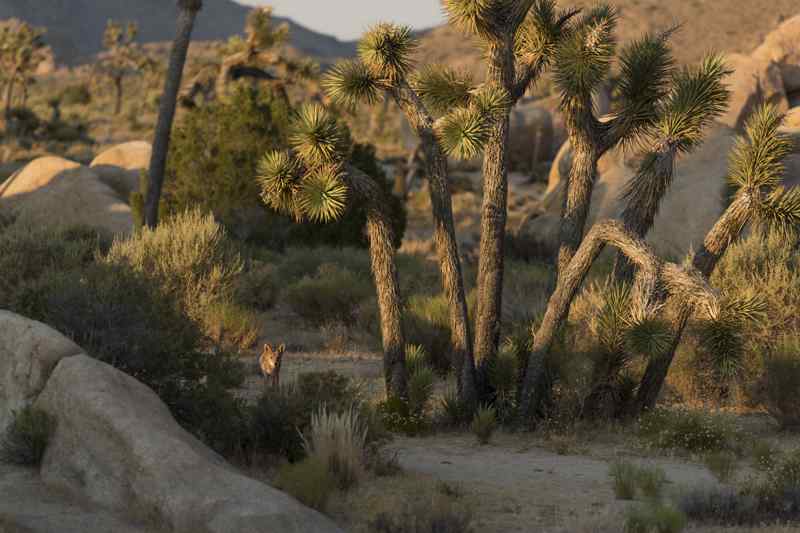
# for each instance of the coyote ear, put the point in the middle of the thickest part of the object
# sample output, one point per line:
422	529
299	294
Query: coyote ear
267	347
282	348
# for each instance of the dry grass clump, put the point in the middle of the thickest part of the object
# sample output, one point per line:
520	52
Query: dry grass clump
339	441
25	440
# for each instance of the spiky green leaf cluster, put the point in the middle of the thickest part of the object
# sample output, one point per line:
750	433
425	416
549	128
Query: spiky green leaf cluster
645	68
442	88
780	211
757	159
322	195
463	132
485	18
538	37
583	59
650	337
697	97
387	49
261	33
317	137
279	176
350	83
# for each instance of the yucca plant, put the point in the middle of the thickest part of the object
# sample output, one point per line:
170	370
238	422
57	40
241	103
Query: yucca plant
21	51
312	181
124	57
756	169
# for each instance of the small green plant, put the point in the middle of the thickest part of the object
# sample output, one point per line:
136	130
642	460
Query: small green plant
420	388
484	424
654	517
339	441
693	431
453	412
651	481
449	490
765	455
309	480
333	293
76	95
26	438
437	514
396	416
624	476
722	465
503	376
780	383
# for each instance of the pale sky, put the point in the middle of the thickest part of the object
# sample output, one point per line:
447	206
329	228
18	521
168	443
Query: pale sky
347	19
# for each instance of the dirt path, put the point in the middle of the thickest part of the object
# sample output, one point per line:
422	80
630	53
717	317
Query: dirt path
524	488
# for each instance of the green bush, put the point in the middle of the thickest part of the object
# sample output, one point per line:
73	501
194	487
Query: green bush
484	423
694	431
29	253
309	480
25	440
192	261
257	288
654	517
213	162
430	515
651	481
453	412
396	416
332	294
780	382
624	476
76	95
721	464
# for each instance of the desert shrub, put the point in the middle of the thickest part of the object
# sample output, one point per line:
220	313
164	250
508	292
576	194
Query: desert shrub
722	505
453	412
192	260
484	423
651	481
503	377
230	324
333	293
297	263
76	95
764	455
654	517
117	316
257	288
282	415
309	480
694	431
434	515
26	438
779	385
22	122
421	378
624	477
213	162
339	441
29	253
721	464
396	416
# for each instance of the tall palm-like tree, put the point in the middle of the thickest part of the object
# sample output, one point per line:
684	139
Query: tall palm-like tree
521	38
187	13
122	57
21	50
451	117
313	181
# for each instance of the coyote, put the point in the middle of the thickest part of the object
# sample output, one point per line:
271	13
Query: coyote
270	363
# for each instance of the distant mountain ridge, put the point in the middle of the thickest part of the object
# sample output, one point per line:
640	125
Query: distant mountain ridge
75	27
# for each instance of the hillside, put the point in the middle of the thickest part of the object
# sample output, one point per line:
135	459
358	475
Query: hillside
75	27
706	25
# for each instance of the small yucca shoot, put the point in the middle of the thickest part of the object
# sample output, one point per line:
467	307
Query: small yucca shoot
484	424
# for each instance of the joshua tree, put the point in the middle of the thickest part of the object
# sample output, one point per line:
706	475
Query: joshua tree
313	181
122	57
21	49
244	58
385	65
520	38
756	169
187	12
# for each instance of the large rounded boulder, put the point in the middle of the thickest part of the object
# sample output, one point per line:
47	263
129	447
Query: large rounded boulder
120	167
58	192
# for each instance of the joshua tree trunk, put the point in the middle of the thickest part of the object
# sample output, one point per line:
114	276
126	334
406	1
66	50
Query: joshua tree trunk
536	384
166	114
384	270
444	236
725	231
494	213
117	95
10	95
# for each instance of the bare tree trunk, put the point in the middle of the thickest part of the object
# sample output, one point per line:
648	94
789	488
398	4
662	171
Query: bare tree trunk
536	383
9	96
444	235
166	114
727	229
494	213
117	95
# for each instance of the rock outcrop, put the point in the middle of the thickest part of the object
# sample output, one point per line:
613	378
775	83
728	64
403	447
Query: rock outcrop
29	351
117	445
56	191
121	166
